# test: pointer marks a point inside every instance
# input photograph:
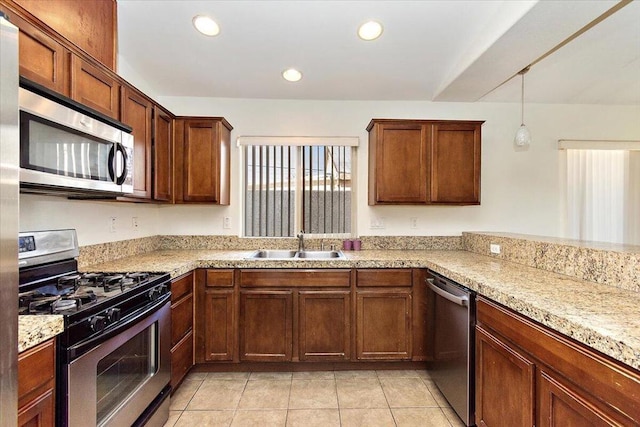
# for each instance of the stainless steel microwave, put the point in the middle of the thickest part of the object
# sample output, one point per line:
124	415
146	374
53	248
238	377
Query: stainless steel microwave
68	150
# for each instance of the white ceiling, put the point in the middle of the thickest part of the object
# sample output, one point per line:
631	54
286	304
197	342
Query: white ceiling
430	50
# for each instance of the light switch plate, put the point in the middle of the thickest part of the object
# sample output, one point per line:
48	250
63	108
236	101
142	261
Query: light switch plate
495	249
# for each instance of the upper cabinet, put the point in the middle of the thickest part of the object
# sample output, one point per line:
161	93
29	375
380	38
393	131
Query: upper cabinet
89	25
137	112
162	155
202	158
424	162
95	87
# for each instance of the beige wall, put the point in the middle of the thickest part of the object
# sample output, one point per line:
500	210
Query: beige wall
521	191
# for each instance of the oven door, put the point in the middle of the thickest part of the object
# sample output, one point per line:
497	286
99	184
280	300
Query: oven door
113	384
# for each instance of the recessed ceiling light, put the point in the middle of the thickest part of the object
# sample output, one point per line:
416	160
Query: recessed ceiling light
206	25
291	75
370	30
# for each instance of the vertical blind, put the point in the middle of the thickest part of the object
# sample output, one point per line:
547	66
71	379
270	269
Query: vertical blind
293	187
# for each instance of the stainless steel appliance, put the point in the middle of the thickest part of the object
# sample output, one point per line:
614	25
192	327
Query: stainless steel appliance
70	149
9	218
113	358
453	345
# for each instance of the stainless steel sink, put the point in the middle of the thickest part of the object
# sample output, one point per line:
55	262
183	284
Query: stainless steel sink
320	254
274	254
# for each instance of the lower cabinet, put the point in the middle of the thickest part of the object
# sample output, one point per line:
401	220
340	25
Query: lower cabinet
36	384
181	328
216	325
527	374
505	380
266	326
324	325
310	315
384	314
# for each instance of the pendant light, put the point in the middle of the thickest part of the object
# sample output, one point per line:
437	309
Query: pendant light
523	136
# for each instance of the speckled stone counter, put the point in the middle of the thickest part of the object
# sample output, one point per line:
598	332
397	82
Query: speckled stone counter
35	329
603	317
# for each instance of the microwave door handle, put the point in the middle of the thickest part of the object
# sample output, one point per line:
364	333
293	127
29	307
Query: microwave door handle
111	162
118	164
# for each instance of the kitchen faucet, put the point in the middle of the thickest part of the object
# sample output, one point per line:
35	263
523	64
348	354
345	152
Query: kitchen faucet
301	241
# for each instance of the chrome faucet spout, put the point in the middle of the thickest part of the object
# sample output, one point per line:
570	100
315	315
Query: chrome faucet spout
301	241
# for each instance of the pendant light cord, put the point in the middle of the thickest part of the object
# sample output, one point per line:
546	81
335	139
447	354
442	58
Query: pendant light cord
522	73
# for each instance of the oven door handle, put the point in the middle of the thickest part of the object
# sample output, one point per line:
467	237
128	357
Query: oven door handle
459	300
82	347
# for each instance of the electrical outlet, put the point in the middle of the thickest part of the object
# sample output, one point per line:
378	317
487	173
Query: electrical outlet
226	222
495	249
377	222
112	224
413	221
134	223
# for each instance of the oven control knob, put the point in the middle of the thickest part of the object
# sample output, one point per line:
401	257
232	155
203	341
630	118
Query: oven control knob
113	315
163	289
154	294
97	323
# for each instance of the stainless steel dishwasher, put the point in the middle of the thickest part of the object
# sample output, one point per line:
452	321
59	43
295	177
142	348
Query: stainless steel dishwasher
452	342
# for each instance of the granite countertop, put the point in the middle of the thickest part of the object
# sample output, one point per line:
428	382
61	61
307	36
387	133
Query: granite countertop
33	330
603	317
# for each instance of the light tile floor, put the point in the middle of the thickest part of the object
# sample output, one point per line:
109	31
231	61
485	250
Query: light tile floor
287	399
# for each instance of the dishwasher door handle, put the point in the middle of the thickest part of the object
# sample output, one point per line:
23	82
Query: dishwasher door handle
459	300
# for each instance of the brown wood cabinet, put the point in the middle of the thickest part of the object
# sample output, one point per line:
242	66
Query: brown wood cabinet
266	325
216	326
137	112
324	325
551	379
311	315
36	385
94	87
295	315
181	327
424	162
162	155
90	25
202	150
384	314
42	58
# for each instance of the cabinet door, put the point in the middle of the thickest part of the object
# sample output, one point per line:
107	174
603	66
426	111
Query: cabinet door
455	167
201	162
41	58
324	325
181	359
383	330
38	412
266	326
504	383
94	88
560	404
398	164
162	155
181	318
137	113
219	325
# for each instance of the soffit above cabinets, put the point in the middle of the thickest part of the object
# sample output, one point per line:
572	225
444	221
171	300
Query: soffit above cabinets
429	50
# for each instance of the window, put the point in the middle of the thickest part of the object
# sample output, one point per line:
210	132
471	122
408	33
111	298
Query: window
300	184
603	191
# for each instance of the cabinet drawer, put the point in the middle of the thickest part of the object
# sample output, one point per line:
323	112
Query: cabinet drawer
219	278
181	359
387	277
295	278
181	287
181	318
35	368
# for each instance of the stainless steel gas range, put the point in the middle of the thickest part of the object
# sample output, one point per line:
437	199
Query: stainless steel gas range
113	357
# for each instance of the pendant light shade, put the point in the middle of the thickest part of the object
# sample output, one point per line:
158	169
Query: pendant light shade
523	136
